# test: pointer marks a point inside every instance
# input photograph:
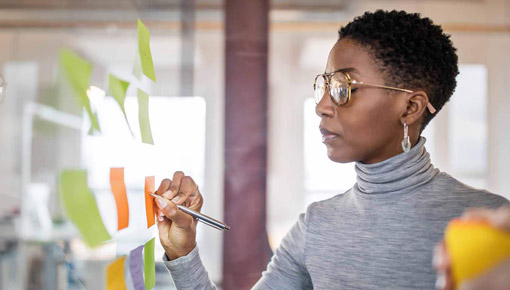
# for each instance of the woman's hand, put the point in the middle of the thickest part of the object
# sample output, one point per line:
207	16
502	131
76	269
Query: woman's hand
495	278
177	230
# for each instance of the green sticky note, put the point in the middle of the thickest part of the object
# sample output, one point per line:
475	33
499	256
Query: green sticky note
78	71
144	49
81	207
91	129
118	89
143	117
149	268
137	68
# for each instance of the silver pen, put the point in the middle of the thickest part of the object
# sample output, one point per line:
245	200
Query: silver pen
201	217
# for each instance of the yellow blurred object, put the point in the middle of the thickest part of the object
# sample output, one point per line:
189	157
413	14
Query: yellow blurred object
474	247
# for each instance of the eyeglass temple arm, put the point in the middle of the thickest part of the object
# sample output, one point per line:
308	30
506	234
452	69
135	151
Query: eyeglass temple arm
431	108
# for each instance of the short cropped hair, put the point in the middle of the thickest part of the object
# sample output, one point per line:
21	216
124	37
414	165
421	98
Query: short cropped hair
412	52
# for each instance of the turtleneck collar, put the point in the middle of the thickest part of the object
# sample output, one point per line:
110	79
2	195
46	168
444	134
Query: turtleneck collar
398	174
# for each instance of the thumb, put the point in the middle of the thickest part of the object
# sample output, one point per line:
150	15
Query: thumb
172	212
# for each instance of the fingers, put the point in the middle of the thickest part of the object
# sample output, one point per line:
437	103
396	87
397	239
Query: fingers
187	188
477	214
440	259
175	185
163	187
501	218
160	215
495	278
170	211
441	262
182	190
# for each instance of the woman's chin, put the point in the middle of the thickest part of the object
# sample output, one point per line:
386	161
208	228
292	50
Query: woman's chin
339	156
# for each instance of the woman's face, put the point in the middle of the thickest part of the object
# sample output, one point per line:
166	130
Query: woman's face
368	128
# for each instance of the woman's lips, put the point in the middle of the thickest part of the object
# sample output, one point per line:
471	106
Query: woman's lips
327	136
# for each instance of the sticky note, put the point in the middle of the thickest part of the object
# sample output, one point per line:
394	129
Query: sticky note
118	89
144	50
474	247
135	266
149	200
148	265
127	275
143	117
137	68
119	193
77	71
115	275
81	207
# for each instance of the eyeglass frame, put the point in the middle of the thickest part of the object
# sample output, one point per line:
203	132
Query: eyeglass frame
351	82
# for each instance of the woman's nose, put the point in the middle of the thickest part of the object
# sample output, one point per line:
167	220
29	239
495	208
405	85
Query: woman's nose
326	107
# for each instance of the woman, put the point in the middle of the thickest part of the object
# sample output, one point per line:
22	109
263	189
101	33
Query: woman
386	78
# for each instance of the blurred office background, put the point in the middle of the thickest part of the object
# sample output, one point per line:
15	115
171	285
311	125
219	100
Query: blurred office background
43	131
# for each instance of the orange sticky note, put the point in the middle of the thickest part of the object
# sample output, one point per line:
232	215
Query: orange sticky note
115	275
119	192
474	247
149	200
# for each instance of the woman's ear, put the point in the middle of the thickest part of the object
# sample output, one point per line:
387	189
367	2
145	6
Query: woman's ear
416	107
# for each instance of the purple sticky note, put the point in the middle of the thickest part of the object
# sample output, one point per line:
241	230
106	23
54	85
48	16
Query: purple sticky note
136	267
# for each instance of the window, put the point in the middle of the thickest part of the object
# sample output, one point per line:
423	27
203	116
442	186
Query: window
467	126
323	177
178	128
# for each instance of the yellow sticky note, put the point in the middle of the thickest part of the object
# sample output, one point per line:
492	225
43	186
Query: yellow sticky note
81	207
77	71
474	247
115	275
144	50
118	89
143	117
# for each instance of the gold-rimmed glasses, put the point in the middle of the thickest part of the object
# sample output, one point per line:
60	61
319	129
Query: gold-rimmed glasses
3	86
340	86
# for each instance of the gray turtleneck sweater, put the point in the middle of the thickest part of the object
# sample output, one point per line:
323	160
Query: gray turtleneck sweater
378	235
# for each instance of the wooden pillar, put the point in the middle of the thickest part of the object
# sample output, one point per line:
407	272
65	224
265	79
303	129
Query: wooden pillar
246	250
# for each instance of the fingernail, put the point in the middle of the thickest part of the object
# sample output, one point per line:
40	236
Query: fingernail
176	199
436	260
440	281
161	202
160	218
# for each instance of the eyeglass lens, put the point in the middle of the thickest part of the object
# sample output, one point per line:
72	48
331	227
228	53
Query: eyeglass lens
338	88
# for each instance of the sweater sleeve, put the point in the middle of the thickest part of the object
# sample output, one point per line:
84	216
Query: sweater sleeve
287	269
188	272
